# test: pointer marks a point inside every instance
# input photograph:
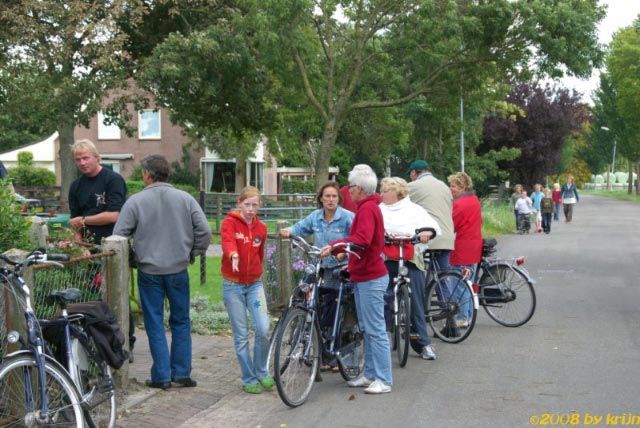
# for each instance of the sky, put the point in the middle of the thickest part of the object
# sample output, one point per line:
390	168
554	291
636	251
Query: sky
620	13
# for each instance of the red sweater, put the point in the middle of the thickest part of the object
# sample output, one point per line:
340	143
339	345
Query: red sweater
556	197
367	230
467	224
246	240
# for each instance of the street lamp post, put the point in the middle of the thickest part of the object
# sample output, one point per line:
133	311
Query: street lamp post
613	161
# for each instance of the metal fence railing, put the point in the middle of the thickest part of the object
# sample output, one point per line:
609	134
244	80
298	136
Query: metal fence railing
85	273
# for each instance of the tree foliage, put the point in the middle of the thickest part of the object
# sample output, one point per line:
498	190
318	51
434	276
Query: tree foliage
354	55
77	49
550	117
14	228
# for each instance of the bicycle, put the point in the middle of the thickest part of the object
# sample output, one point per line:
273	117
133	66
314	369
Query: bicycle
447	295
299	344
78	354
504	287
401	304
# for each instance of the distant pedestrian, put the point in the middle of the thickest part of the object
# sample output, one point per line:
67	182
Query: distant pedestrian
524	208
546	209
569	194
557	201
536	198
243	241
517	192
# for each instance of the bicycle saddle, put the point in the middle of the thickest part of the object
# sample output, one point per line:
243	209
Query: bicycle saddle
66	296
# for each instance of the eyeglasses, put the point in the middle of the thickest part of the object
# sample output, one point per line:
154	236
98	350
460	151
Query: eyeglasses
351	186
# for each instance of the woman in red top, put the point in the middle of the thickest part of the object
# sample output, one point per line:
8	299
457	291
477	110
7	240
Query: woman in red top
243	241
467	225
370	278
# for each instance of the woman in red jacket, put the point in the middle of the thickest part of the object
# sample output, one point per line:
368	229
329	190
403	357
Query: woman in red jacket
243	241
467	225
370	279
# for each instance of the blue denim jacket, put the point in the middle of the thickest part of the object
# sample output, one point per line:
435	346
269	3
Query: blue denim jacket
323	232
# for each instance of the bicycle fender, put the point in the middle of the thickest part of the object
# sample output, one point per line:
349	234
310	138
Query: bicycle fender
515	268
48	358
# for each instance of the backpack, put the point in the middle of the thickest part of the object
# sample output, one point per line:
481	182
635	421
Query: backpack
102	325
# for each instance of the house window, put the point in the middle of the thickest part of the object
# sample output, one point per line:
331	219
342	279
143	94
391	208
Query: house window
107	132
221	177
256	175
112	165
149	124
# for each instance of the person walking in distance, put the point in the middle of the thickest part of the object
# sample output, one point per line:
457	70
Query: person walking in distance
547	209
244	237
95	198
169	230
557	201
569	194
524	207
434	196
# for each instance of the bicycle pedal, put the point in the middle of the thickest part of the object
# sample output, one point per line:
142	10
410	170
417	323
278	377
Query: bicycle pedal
414	336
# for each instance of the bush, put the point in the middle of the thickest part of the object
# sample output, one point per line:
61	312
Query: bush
25	174
298	186
14	228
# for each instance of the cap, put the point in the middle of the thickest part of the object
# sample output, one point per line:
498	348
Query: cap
418	165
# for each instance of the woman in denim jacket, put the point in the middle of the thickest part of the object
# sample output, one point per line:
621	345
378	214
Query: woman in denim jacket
569	195
326	224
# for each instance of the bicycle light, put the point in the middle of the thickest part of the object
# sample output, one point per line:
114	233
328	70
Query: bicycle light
13	336
520	261
404	271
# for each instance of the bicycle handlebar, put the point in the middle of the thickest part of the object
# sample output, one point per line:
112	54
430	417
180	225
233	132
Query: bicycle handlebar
311	249
37	256
405	237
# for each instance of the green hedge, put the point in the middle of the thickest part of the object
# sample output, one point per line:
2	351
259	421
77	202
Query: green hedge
298	186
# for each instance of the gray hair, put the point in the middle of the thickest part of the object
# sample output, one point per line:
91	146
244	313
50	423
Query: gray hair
362	175
157	167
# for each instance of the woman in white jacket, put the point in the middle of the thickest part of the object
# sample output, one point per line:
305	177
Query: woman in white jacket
403	217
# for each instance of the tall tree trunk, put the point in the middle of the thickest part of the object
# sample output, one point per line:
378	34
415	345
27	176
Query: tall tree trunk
630	180
638	178
324	153
68	171
241	174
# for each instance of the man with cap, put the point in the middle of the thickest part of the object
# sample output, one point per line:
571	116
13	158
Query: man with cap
434	196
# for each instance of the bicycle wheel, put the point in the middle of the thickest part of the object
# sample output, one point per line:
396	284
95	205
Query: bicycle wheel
96	385
351	351
507	295
402	330
296	358
20	395
446	299
272	343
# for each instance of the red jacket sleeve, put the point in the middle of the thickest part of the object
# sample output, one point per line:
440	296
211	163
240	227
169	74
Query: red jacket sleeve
228	238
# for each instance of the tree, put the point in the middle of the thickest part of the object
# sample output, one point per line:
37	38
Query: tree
623	64
77	49
550	116
399	50
214	89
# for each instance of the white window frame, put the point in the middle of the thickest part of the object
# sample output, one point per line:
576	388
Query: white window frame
107	132
140	130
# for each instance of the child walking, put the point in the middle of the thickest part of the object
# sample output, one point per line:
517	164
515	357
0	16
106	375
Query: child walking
243	241
547	209
524	208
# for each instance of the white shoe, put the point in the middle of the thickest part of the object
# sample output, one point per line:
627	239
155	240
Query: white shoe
463	323
377	387
360	382
428	353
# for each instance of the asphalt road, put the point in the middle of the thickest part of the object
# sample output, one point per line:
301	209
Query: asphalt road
580	352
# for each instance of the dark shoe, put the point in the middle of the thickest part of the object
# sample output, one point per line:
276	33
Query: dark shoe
186	382
158	385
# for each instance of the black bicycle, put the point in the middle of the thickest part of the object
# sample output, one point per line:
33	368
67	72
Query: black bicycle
505	289
299	343
67	343
451	304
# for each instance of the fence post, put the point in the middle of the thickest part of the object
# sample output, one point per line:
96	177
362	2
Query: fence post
117	273
203	258
39	231
283	247
218	212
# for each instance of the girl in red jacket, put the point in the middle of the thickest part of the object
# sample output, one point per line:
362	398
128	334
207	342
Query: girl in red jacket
243	241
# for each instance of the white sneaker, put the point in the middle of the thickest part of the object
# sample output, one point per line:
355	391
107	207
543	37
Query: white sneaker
428	353
377	387
463	323
360	382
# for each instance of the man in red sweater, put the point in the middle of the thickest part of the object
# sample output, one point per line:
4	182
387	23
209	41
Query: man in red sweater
371	279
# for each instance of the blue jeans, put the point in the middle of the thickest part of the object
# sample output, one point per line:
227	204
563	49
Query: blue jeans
370	308
417	280
240	299
153	290
463	295
556	211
